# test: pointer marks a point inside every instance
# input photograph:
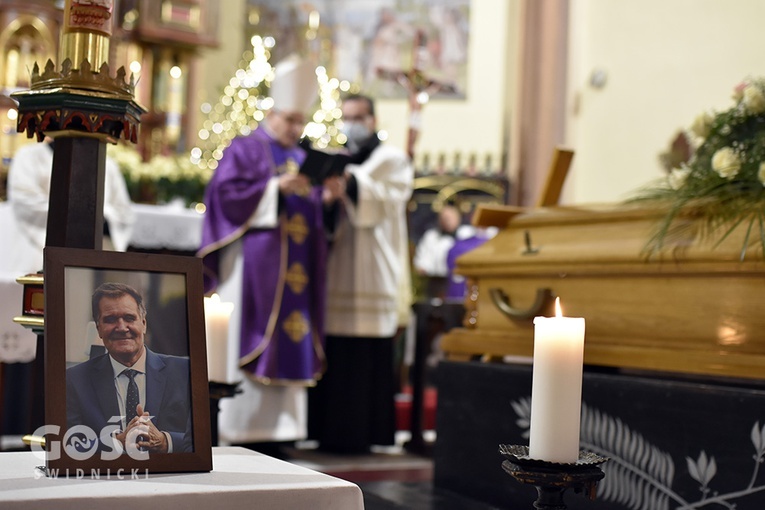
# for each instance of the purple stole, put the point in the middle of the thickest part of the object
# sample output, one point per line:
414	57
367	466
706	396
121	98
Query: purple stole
282	327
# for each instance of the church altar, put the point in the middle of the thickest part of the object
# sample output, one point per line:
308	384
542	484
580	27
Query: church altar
240	479
171	226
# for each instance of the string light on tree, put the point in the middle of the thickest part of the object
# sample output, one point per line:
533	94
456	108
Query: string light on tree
240	108
245	100
324	129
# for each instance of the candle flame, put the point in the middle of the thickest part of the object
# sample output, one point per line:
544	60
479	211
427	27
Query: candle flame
558	312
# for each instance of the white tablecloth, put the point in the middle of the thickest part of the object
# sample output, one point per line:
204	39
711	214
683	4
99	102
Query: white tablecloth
172	227
240	479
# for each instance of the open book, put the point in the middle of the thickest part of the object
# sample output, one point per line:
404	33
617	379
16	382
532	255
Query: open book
320	165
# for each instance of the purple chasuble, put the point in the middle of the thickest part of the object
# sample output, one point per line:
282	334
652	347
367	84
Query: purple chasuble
282	329
457	285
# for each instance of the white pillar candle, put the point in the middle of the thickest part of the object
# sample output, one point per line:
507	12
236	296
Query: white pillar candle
556	391
217	314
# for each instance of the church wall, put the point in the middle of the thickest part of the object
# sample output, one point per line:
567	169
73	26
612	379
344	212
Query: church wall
217	65
477	124
664	63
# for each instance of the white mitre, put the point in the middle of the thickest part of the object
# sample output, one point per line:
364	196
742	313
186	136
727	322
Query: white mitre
294	87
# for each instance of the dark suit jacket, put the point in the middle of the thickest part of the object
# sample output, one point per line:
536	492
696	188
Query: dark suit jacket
91	398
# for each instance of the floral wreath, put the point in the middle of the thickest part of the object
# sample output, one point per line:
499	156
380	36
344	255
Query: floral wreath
721	186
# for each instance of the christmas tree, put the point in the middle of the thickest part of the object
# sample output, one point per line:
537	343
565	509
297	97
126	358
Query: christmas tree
244	103
324	130
240	108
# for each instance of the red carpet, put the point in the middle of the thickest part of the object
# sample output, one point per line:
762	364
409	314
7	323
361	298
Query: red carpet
404	409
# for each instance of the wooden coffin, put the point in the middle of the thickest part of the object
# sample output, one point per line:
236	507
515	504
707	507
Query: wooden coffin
695	309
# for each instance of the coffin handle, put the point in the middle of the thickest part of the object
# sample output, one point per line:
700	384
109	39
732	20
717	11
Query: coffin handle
541	306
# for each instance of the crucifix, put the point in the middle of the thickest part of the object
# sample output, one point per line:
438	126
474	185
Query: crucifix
418	87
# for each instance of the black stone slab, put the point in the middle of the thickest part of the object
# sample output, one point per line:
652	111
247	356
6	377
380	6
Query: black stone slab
394	495
673	442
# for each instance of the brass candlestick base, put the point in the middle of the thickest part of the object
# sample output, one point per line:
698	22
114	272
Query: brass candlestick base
552	479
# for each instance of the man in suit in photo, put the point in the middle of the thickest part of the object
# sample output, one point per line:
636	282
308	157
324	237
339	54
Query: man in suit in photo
149	392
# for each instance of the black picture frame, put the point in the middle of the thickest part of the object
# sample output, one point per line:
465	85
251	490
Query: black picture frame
173	294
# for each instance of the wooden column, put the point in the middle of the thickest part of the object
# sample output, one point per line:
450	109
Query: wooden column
75	210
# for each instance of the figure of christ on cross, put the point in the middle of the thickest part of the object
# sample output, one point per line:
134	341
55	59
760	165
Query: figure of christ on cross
418	87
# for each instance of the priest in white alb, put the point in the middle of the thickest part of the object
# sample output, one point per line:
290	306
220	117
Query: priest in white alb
368	291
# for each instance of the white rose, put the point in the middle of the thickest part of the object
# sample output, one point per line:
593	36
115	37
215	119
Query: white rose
754	100
678	176
726	163
761	173
702	125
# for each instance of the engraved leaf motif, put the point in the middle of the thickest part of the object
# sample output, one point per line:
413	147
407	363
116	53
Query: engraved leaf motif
638	475
758	438
523	409
703	469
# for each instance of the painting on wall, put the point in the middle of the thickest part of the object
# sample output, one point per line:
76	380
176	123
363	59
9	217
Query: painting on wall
371	42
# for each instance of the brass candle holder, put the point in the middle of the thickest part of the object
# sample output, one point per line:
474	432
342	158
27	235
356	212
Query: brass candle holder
552	479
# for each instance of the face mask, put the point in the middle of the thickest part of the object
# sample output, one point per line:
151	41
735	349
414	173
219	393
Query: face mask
357	133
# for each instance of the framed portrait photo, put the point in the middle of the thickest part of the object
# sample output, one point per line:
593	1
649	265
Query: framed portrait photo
126	389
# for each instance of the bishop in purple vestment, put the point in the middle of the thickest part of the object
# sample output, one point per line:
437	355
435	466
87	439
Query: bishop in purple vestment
259	203
283	285
264	248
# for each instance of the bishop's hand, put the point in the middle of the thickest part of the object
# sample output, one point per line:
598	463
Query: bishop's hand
291	184
334	189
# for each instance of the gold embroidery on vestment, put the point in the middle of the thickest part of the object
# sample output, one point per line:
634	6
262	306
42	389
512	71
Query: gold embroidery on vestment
296	326
288	167
297	228
297	279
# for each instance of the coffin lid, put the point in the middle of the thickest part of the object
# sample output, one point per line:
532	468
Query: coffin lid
592	236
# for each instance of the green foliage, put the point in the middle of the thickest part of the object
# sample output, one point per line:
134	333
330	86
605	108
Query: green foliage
162	179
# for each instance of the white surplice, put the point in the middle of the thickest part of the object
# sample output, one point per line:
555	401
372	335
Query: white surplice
368	277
